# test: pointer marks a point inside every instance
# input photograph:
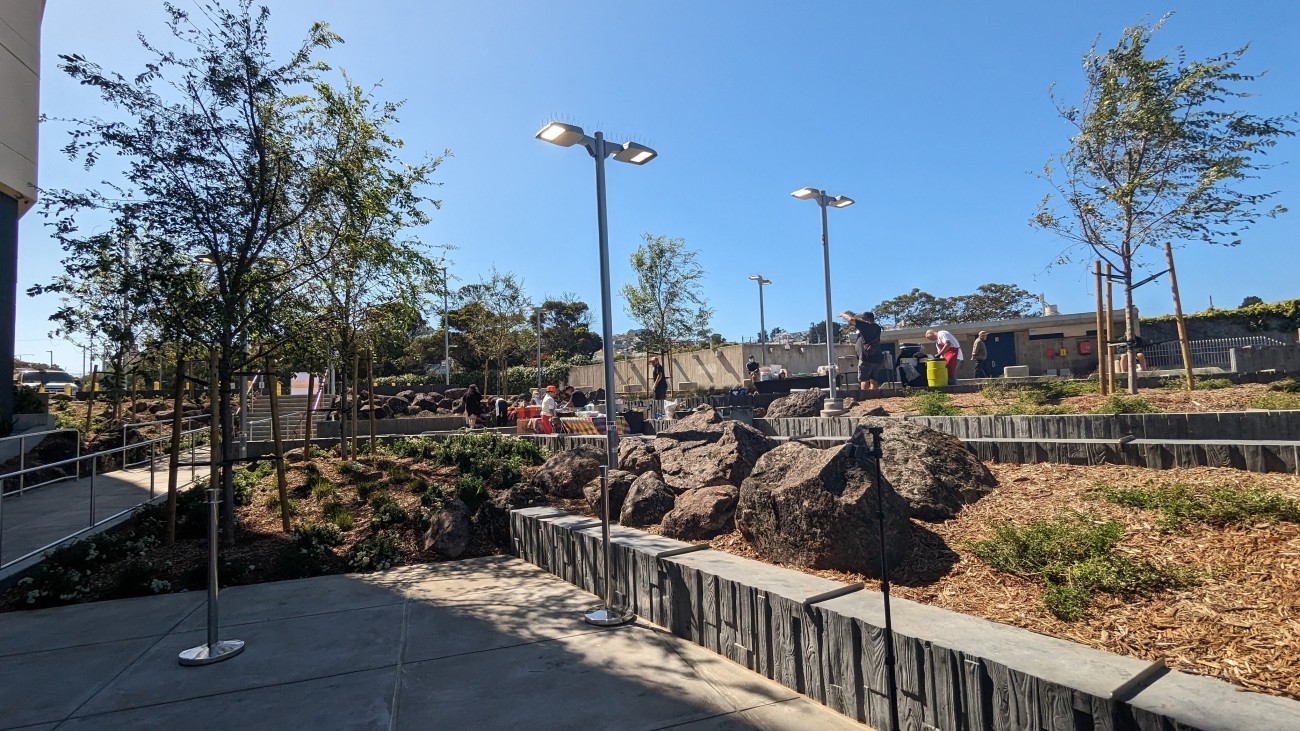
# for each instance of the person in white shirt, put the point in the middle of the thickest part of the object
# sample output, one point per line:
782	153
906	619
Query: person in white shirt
948	348
549	407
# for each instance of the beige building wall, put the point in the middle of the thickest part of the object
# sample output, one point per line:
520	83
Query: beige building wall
20	53
722	367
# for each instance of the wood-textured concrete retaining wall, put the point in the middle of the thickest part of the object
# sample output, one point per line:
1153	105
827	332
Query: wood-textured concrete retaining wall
825	639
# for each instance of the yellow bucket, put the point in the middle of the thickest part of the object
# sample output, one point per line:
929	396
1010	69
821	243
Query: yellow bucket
936	372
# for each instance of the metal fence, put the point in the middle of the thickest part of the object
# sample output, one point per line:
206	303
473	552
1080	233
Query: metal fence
88	475
1205	353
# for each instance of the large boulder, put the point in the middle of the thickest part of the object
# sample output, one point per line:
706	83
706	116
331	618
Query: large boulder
565	474
397	405
796	405
493	516
701	514
702	450
425	402
648	500
929	469
816	508
448	531
454	393
637	456
619	482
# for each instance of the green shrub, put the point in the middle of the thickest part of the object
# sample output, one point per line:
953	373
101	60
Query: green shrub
273	504
365	487
337	513
410	447
1290	384
1073	555
375	553
321	488
138	578
386	511
494	458
1121	404
934	403
309	554
471	491
1201	383
1277	401
1217	505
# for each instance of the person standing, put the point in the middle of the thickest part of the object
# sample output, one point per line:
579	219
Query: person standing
473	405
949	349
751	370
867	343
659	384
549	407
979	353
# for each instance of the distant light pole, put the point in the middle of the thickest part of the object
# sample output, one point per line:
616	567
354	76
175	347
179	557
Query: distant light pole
446	330
568	135
538	312
833	406
51	352
762	324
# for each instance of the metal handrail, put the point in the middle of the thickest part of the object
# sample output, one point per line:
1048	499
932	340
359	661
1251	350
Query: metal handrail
94	461
22	457
138	424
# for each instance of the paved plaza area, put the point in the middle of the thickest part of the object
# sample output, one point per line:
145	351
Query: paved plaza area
490	643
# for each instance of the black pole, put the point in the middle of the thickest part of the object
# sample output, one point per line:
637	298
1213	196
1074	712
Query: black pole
8	301
884	581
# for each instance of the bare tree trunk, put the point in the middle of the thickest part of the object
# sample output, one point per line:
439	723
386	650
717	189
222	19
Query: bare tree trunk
1130	327
306	440
370	389
282	484
90	403
174	459
356	395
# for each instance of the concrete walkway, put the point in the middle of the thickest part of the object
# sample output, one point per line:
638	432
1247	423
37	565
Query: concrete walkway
491	643
42	515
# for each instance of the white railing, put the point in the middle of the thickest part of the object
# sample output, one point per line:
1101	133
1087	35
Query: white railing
1205	353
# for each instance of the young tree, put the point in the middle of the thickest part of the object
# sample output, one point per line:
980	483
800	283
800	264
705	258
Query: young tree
667	299
223	155
914	309
494	321
1157	155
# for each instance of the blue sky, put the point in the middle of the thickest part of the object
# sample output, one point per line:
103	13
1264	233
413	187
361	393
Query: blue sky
932	116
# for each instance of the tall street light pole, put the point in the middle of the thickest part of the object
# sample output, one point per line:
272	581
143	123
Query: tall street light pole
762	324
538	312
568	135
446	329
833	405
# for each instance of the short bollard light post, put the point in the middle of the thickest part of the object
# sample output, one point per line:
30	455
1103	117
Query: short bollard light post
215	649
607	615
888	638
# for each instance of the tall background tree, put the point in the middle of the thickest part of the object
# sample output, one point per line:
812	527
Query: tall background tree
1157	154
667	299
566	329
988	302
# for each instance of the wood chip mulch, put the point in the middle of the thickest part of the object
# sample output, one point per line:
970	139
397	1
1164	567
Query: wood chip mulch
1241	623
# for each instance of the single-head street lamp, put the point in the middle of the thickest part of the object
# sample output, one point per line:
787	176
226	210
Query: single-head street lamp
568	135
833	406
762	324
537	311
446	329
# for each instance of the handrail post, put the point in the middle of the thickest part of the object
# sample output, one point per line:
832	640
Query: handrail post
22	463
93	467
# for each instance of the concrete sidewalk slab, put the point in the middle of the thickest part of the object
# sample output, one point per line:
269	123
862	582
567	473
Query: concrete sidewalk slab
492	643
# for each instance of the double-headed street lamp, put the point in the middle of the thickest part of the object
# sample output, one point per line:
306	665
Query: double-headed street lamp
568	135
833	404
762	324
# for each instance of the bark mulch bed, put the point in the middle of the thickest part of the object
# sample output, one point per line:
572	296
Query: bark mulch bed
1240	623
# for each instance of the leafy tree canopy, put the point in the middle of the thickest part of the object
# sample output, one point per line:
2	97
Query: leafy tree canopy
668	299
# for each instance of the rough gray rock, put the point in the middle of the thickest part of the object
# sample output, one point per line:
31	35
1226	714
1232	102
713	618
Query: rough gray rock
619	482
702	450
493	516
797	404
929	469
648	500
637	456
396	405
566	473
454	393
817	508
448	531
701	514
